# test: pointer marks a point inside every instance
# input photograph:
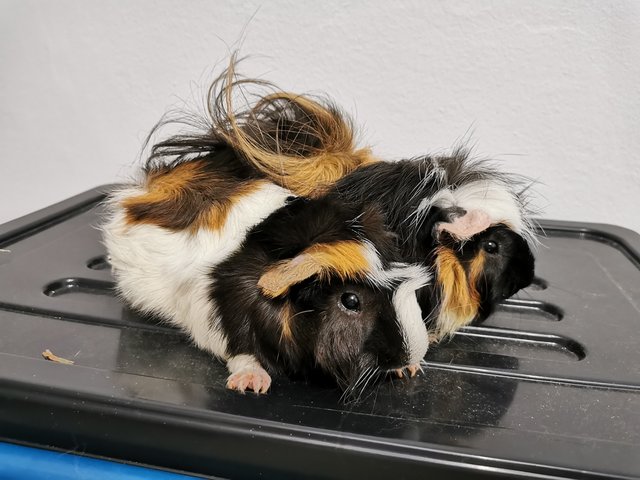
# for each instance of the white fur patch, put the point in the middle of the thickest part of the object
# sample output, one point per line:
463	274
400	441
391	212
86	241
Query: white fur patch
167	273
238	363
494	198
376	273
408	311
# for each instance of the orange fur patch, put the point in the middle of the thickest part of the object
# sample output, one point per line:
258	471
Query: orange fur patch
307	173
216	216
169	183
345	259
287	315
460	298
187	197
475	272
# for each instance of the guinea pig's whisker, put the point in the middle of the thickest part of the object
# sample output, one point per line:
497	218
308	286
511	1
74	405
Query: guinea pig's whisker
359	385
300	313
282	333
558	287
347	395
356	219
473	340
360	378
371	376
352	397
524	292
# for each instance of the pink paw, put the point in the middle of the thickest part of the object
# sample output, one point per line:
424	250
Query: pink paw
255	379
411	370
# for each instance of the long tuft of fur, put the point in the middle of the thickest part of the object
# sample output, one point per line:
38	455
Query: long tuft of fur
459	178
301	143
409	190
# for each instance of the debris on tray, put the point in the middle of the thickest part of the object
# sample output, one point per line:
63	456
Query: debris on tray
48	355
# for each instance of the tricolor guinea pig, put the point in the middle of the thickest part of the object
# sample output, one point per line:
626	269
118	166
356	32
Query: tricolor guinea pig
465	220
264	281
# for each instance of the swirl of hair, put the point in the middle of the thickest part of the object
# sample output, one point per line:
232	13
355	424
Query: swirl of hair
300	142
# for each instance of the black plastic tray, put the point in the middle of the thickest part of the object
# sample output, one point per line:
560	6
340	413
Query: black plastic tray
548	387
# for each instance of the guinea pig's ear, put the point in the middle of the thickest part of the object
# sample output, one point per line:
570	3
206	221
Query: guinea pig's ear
283	275
465	226
345	259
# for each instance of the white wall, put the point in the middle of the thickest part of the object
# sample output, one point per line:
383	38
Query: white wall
550	88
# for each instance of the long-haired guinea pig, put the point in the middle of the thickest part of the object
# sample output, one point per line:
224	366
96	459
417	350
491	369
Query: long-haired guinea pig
262	280
462	218
441	208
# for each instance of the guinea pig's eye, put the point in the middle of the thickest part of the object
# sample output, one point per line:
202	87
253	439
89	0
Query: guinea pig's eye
350	301
490	246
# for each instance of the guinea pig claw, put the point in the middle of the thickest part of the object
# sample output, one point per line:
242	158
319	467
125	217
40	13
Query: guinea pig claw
412	370
257	380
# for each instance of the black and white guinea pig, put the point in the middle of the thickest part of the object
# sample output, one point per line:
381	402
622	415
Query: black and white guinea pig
263	280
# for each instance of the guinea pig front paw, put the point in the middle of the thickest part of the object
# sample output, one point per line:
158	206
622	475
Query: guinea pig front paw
251	378
247	374
409	370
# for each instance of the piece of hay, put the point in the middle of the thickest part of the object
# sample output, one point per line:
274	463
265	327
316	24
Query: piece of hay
48	355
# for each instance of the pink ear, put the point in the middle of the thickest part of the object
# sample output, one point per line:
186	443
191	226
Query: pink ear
466	226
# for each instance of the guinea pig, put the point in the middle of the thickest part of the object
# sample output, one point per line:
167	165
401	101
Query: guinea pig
437	206
262	280
464	219
327	296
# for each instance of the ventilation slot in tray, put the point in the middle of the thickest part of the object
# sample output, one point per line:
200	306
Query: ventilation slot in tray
501	348
79	285
530	308
99	263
